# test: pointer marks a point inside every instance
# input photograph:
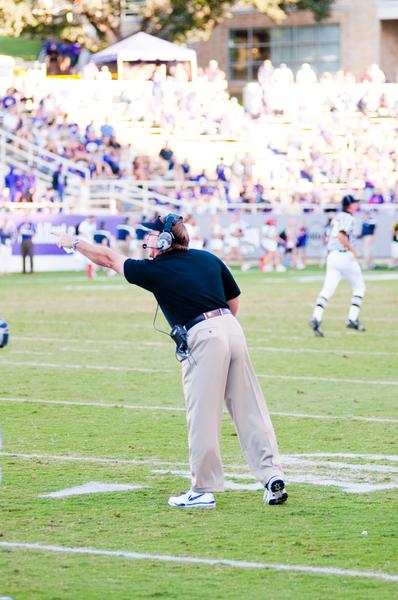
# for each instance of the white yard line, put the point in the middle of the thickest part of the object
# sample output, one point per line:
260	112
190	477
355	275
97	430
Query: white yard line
298	469
90	367
327	379
156	344
322	351
292	459
182	409
315	278
92	459
389	457
95	404
56	340
344	484
157	370
235	564
334	418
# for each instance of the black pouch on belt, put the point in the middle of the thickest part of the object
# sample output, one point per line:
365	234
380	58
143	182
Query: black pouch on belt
180	336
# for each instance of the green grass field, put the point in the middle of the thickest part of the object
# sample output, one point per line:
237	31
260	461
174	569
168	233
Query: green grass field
20	47
89	392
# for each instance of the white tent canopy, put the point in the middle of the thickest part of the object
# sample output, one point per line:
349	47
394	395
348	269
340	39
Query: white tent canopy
146	48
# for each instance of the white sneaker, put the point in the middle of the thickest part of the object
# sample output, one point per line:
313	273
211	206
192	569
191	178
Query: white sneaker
280	269
245	267
275	492
193	499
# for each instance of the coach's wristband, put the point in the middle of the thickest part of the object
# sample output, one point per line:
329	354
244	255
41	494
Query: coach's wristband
75	243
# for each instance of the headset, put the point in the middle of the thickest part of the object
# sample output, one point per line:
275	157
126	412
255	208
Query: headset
166	237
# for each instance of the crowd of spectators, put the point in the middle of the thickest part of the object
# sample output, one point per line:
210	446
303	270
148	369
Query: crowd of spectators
61	58
342	138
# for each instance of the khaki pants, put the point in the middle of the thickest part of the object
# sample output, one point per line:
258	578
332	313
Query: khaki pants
219	370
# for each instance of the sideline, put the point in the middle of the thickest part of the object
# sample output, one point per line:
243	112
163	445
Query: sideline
236	564
182	409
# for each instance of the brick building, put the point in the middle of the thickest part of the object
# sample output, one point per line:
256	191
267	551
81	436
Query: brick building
357	34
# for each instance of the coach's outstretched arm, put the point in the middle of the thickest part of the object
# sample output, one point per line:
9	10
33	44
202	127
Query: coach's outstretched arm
100	255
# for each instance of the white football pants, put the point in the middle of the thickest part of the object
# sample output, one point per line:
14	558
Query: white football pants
341	265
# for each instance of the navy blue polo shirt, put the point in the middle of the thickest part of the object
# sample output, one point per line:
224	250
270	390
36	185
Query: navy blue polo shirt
185	283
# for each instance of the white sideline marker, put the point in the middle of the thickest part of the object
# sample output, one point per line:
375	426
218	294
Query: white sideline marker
350	487
93	487
236	564
300	461
153	370
181	409
95	404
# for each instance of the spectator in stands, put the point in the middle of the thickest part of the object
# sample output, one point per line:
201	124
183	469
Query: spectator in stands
374	74
265	73
306	75
213	73
59	183
336	150
166	153
10	183
104	74
52	58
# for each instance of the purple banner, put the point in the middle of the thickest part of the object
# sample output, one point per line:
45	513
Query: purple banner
46	224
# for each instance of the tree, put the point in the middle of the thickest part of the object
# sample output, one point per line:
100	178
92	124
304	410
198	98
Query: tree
181	20
97	22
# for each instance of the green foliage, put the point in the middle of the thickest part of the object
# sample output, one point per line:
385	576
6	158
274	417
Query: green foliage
179	20
320	8
95	23
15	17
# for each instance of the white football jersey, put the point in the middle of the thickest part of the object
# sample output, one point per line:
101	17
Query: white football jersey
342	222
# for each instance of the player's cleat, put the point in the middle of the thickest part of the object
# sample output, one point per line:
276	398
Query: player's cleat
355	325
193	499
275	492
316	327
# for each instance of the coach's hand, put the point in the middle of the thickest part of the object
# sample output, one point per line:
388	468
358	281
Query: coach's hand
64	240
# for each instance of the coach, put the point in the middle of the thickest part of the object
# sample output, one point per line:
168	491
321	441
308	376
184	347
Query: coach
200	298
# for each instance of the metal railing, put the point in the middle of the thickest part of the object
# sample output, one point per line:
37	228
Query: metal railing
112	196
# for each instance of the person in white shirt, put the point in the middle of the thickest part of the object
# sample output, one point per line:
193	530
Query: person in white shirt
269	241
341	262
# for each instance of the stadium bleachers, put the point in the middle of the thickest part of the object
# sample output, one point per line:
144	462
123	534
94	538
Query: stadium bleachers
284	154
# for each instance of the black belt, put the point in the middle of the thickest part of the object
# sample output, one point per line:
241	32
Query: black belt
218	312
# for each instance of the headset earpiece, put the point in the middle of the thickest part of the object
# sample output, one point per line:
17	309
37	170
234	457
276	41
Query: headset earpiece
165	239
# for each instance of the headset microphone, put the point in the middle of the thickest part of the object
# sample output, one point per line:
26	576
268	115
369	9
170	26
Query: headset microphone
145	246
